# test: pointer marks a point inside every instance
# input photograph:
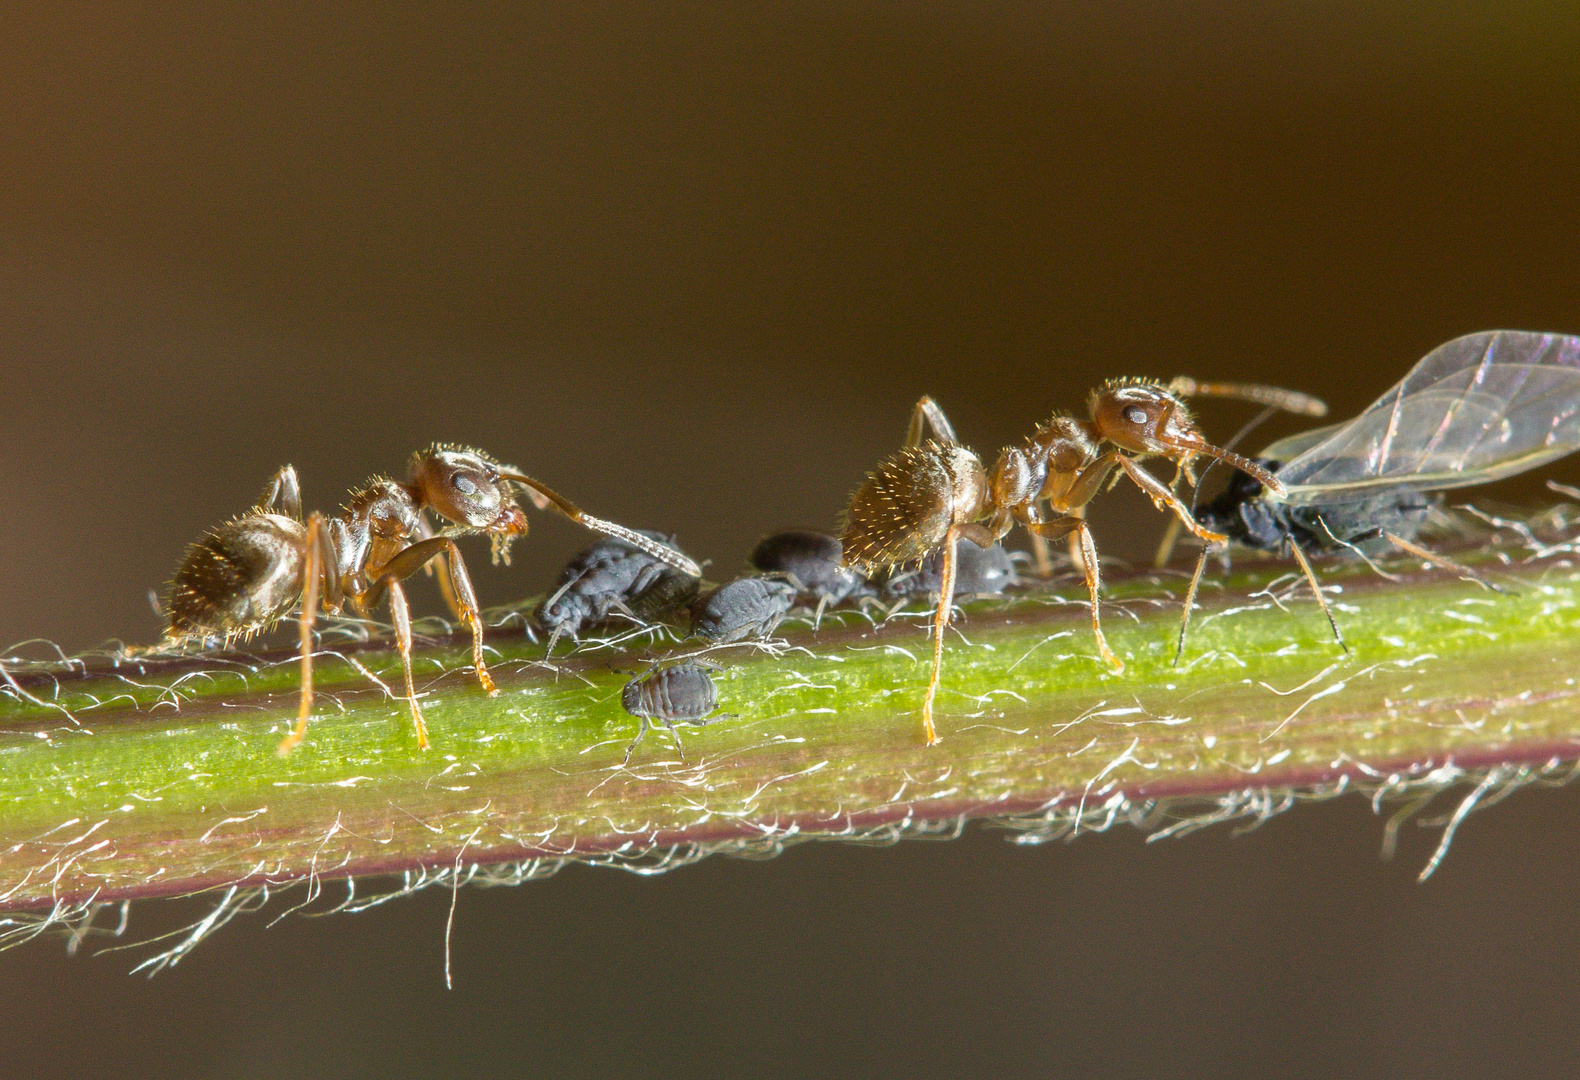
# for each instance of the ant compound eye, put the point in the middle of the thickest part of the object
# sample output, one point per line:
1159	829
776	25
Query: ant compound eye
1136	415
464	485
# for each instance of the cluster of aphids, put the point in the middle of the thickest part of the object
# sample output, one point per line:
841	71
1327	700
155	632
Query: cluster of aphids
928	520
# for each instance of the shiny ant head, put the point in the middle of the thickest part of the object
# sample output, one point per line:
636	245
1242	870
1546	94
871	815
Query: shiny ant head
1145	418
464	486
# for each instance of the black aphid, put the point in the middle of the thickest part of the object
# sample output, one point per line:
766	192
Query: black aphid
745	607
683	694
1474	410
978	571
613	576
812	560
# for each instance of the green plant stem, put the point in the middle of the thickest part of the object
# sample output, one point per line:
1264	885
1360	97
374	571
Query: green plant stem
163	778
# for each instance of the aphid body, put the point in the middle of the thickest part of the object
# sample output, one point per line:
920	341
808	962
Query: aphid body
812	559
682	694
1476	409
979	571
745	607
613	576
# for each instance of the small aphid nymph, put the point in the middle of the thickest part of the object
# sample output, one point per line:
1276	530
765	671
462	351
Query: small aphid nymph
682	694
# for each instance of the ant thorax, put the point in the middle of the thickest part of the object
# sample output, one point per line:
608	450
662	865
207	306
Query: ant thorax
378	522
1046	466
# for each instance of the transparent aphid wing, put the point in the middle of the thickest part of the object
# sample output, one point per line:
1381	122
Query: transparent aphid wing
1479	408
1288	449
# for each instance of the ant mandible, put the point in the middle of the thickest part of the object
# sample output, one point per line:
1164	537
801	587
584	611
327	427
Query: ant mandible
931	494
247	574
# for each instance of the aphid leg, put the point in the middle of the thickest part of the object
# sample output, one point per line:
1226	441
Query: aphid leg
675	735
1171	537
1165	499
641	733
1093	577
544	496
1435	559
401	617
1316	590
1190	599
946	599
926	415
315	558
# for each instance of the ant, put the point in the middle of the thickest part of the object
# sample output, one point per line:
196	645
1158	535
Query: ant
931	494
247	574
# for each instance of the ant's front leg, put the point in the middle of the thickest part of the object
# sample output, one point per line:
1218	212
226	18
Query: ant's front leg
1165	499
418	555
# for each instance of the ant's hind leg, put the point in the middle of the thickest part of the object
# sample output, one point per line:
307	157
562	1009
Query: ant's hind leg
926	415
401	617
315	552
946	599
283	495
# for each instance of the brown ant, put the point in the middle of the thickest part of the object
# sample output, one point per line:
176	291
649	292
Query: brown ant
931	494
247	574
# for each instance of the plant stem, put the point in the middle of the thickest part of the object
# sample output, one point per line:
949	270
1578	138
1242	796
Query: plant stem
131	776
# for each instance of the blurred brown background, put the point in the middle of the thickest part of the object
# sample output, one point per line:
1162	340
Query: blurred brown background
691	266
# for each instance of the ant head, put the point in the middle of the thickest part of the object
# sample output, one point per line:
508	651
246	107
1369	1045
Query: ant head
1144	418
464	486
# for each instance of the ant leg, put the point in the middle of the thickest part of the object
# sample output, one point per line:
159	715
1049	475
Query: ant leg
927	414
315	548
1083	536
1435	559
980	535
407	563
946	599
401	617
440	569
1164	499
283	494
1316	590
1190	602
544	497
